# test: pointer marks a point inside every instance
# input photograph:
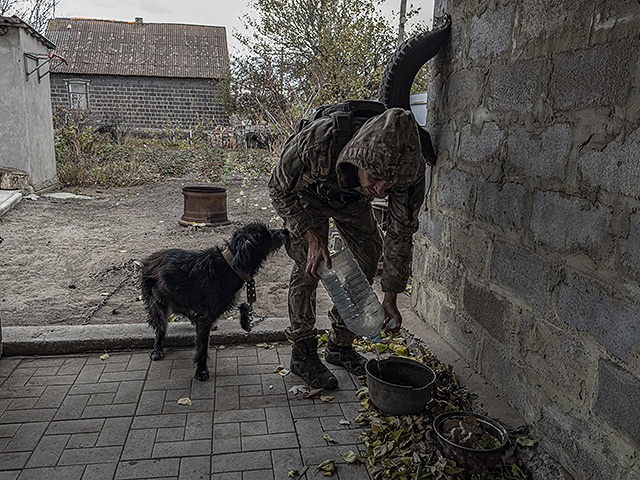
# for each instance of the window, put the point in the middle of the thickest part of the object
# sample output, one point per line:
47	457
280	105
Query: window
78	98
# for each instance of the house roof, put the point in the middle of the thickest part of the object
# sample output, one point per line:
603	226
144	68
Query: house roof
110	47
16	22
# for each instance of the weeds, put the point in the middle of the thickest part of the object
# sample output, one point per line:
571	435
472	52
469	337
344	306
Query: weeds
85	157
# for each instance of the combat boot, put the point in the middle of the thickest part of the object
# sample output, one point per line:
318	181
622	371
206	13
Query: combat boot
306	363
345	357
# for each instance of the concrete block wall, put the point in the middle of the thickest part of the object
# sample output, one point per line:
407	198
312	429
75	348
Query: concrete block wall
527	260
146	103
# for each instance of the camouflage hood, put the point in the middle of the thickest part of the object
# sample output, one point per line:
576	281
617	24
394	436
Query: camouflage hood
387	147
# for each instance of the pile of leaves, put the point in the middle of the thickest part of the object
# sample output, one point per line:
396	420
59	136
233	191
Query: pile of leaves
397	447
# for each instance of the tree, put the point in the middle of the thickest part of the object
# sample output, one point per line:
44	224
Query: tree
34	12
306	53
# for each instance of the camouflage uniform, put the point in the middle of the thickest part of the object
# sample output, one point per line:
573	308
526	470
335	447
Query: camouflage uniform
309	185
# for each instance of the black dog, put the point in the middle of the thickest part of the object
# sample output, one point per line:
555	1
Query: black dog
204	284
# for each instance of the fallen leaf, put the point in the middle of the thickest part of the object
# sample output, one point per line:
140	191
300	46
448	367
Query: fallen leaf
104	356
327	398
328	466
270	387
316	392
344	421
328	437
278	369
284	372
351	457
184	401
526	442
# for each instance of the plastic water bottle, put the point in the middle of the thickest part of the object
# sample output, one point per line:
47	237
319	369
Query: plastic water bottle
352	295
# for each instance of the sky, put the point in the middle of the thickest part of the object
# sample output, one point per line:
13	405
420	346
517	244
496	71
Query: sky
201	12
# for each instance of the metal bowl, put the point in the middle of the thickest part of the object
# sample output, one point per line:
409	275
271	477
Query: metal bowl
399	386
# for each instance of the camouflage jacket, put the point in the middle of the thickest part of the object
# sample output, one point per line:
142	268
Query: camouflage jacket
387	147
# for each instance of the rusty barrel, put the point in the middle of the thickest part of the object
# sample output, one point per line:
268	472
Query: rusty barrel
204	206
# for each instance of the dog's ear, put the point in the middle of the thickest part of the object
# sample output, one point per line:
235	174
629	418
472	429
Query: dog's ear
244	256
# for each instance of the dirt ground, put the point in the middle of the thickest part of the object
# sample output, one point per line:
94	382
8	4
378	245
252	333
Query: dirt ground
62	258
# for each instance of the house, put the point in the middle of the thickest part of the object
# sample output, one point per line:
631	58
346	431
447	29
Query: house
26	149
140	76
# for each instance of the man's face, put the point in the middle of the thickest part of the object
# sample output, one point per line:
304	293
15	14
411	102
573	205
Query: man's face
373	186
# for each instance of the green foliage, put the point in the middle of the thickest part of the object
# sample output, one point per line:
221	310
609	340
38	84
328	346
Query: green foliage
307	53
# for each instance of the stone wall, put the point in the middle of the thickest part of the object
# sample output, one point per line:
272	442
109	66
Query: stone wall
527	260
145	103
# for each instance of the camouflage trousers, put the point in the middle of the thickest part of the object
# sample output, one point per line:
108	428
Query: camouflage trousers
356	225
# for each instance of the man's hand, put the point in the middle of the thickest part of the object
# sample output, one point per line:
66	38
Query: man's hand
318	251
392	317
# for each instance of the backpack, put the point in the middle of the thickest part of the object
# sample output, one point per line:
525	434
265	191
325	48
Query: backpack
342	115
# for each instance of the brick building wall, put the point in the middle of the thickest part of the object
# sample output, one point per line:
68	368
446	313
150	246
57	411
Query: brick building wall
145	103
527	260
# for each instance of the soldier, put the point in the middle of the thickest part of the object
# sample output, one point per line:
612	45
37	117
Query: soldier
308	186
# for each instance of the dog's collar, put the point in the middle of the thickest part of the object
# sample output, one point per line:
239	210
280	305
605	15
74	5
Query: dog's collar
228	256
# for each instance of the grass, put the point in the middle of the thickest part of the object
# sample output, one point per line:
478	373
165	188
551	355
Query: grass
84	158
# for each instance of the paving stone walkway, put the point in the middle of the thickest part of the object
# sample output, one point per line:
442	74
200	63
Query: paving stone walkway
80	417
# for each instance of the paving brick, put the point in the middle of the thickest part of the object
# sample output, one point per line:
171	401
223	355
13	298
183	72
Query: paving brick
26	437
248	429
83	440
72	366
10	474
226	438
122	376
101	471
227	398
312	411
129	392
90	374
114	432
183	384
13	460
139	361
229	380
8	391
226	366
309	432
173	434
52	397
75	426
199	426
79	456
148	469
195	468
52	473
72	407
26	416
234	462
160	421
139	444
281	459
93	388
227	476
257	475
201	390
46	371
106	411
268	442
26	403
48	451
52	380
264	401
151	402
186	448
279	420
7	431
101	399
237	416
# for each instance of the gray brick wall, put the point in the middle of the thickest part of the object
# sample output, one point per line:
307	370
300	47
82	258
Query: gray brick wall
527	258
146	103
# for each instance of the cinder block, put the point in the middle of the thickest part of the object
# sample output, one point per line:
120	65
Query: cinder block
615	167
445	275
512	86
544	156
630	246
522	271
443	137
612	322
567	224
431	224
459	332
580	446
490	33
470	247
618	399
502	205
475	148
596	76
463	90
455	189
502	372
561	360
489	310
